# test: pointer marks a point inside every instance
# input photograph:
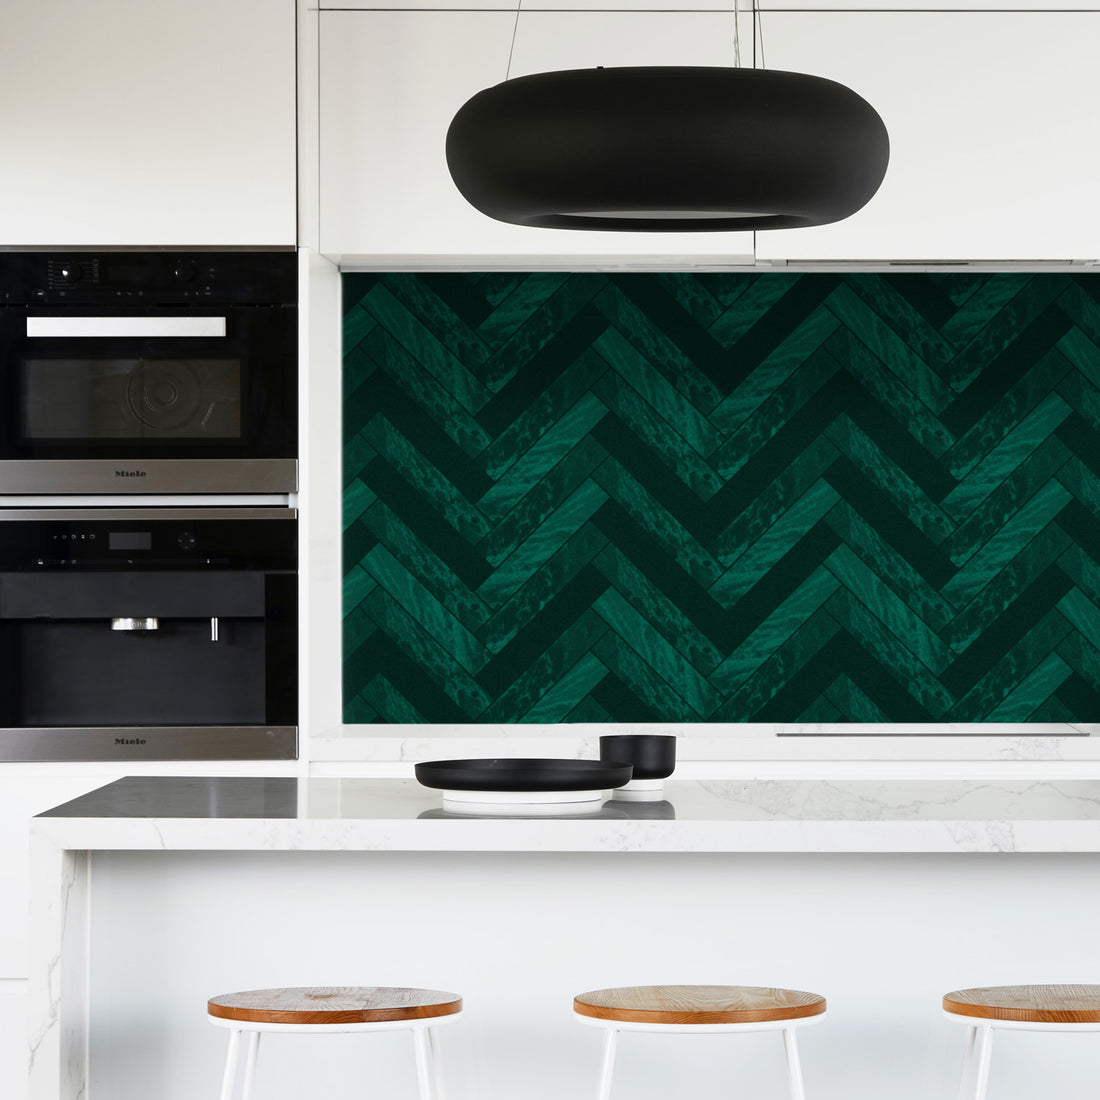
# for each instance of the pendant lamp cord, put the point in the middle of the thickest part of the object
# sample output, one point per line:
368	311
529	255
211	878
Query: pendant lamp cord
758	26
512	48
759	31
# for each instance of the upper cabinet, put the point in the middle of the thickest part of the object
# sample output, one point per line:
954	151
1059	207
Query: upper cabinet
391	81
994	132
995	138
148	122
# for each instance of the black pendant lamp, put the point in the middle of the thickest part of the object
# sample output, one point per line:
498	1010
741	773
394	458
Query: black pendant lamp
667	149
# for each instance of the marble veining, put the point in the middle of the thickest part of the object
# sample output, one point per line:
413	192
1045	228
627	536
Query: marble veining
205	813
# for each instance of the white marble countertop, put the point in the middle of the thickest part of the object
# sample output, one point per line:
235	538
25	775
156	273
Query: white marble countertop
250	814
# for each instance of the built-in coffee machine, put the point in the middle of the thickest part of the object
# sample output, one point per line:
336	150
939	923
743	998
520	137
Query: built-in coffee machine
148	634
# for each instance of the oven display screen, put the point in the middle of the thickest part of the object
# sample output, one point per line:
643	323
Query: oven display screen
130	540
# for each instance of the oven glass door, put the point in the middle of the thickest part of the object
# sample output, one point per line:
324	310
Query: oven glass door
126	390
114	386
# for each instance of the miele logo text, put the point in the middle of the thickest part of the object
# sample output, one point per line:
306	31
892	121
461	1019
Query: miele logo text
129	740
129	473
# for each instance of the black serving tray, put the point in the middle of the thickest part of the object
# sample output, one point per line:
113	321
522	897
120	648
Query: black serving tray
522	774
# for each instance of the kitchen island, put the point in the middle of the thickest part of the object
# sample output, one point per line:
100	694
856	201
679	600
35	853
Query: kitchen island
154	893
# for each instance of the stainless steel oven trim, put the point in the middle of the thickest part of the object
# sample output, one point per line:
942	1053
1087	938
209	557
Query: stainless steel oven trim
93	743
155	475
10	515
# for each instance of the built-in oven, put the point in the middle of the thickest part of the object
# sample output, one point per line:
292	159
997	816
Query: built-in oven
150	372
148	634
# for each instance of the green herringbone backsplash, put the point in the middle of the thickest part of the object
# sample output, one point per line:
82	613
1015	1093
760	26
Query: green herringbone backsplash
778	498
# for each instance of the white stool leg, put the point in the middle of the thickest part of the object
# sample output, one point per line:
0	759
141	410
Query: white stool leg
985	1049
610	1037
423	1070
434	1070
230	1074
250	1063
968	1057
794	1067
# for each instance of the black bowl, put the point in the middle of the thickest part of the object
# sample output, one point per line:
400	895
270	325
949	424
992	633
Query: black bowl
522	774
652	754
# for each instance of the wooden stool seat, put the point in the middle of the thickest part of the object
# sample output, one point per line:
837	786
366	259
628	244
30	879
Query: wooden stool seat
698	1004
1034	1004
332	1008
707	1008
1015	1008
341	1004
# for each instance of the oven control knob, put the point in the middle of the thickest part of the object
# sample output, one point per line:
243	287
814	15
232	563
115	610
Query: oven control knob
69	273
184	271
186	540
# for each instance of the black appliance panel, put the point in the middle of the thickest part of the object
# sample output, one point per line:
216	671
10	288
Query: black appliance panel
77	674
148	633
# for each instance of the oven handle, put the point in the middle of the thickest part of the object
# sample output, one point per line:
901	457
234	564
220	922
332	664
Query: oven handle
126	326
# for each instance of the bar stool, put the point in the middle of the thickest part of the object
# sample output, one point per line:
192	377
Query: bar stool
1017	1008
326	1009
697	1009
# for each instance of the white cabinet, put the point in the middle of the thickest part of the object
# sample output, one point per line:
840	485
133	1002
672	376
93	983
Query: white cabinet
13	1040
392	80
148	122
994	132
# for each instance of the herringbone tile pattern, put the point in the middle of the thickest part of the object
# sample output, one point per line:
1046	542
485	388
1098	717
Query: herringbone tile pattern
778	498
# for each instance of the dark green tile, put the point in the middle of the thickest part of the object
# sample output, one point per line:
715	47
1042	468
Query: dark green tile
549	683
1006	587
529	468
655	606
423	345
650	645
753	696
730	497
990	692
787	619
852	704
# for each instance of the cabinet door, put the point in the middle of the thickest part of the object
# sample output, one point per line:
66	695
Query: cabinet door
148	122
13	1040
994	132
391	81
